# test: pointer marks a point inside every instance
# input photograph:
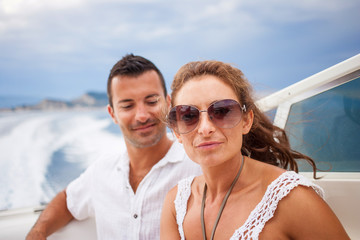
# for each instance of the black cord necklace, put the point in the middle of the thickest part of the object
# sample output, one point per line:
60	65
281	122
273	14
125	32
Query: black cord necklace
222	205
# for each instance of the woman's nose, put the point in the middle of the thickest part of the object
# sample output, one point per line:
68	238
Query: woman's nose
206	126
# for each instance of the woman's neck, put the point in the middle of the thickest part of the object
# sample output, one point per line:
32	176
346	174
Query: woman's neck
219	178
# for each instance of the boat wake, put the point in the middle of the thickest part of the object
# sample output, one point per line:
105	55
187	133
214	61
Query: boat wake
41	152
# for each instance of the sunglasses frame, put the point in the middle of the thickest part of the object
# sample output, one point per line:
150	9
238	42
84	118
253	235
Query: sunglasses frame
173	124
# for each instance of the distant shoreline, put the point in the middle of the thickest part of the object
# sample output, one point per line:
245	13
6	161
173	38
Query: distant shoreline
89	100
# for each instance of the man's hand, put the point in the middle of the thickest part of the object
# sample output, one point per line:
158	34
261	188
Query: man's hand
55	216
34	234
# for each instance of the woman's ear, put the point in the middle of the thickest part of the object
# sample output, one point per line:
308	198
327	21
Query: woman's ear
177	136
168	101
247	122
165	108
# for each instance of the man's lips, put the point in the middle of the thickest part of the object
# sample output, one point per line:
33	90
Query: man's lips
143	127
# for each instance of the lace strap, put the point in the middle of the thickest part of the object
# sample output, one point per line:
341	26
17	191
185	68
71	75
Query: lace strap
265	210
182	197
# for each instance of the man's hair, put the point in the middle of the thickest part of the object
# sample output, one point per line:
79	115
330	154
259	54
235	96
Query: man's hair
131	65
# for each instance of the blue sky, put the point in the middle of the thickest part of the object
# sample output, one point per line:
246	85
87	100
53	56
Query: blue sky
63	48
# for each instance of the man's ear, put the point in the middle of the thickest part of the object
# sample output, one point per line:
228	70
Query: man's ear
247	122
111	112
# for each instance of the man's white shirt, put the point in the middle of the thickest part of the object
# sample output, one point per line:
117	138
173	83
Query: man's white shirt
103	191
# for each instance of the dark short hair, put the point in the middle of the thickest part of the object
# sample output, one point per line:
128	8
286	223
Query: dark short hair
131	65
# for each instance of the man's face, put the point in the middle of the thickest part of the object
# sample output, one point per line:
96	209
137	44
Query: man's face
137	103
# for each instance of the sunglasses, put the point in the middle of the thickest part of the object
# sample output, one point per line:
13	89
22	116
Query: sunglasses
225	113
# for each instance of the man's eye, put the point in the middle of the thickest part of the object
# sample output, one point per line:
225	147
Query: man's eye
152	101
126	106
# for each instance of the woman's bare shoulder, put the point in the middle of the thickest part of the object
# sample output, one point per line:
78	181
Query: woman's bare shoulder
195	184
171	195
305	214
264	171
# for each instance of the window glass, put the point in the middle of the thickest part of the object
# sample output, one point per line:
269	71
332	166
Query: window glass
326	127
271	114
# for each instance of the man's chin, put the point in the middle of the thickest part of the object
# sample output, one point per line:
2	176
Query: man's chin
145	141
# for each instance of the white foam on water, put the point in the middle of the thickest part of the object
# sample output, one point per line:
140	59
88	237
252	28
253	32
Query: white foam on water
28	144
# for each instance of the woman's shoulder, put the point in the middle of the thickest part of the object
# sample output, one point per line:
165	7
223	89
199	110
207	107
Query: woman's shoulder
278	182
189	185
265	172
183	186
272	175
283	181
293	194
305	202
290	181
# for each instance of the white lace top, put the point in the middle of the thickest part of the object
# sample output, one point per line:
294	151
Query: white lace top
262	213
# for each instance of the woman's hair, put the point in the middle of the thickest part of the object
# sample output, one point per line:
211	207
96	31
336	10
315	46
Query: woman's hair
265	141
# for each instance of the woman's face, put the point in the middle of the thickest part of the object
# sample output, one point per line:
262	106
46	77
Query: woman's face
209	145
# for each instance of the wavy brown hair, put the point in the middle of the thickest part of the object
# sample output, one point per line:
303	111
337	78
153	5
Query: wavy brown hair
265	141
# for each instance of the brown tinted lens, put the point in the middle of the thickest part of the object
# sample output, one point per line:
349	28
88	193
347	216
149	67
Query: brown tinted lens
183	118
225	113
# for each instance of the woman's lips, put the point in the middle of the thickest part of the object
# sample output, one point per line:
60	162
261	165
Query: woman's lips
208	145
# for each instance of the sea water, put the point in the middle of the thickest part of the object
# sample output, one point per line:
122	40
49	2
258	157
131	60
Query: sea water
42	151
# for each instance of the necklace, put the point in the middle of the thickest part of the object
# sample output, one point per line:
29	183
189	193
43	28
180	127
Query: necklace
222	204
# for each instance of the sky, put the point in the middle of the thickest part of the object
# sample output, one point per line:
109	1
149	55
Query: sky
61	49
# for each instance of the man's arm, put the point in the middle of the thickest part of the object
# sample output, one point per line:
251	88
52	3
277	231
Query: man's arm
54	216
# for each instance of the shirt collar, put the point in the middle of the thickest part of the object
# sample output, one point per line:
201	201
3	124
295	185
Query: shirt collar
175	154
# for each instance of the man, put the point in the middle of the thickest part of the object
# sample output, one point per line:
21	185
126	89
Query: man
125	194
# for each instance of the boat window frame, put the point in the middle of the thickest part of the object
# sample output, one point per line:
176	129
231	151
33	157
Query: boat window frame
283	109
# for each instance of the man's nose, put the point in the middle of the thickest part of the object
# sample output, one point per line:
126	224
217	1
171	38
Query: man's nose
142	114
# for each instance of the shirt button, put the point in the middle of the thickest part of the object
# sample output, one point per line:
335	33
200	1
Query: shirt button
135	215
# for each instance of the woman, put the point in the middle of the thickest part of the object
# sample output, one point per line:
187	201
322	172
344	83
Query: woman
245	191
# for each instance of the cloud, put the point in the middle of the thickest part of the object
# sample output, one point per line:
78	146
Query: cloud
151	20
29	7
297	11
75	36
